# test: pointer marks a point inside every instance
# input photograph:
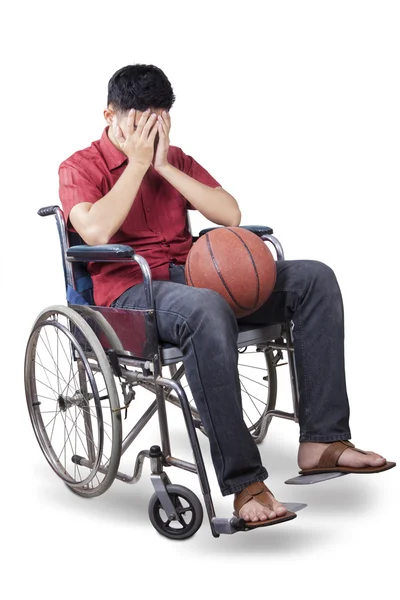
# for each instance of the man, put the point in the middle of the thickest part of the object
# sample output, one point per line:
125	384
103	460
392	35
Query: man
132	187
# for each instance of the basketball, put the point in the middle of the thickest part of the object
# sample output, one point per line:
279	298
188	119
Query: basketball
237	264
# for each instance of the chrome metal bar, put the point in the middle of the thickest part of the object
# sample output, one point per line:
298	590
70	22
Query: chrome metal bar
173	400
182	464
280	413
201	470
144	419
276	244
137	472
121	476
162	410
62	233
148	288
275	346
87	419
293	373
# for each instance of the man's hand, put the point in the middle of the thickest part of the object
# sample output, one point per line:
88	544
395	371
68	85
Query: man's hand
138	145
161	151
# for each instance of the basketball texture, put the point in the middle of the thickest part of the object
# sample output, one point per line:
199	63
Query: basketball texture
235	263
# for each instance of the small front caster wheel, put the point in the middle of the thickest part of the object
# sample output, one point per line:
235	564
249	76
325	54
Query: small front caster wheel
187	507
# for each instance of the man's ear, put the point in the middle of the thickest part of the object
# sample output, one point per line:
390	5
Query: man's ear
109	115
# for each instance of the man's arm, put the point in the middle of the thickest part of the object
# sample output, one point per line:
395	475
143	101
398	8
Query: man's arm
214	203
96	223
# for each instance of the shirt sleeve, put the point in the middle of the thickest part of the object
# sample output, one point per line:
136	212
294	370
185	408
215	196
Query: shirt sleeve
192	168
75	187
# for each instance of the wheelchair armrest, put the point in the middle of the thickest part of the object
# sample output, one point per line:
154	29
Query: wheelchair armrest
259	230
104	253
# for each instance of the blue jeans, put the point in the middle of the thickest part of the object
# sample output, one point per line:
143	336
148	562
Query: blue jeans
203	325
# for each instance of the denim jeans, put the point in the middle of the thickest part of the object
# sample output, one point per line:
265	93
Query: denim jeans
203	325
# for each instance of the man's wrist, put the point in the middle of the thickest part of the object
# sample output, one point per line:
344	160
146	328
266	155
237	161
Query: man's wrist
136	167
164	169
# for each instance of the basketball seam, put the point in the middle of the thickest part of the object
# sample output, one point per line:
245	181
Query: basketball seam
220	275
252	261
190	277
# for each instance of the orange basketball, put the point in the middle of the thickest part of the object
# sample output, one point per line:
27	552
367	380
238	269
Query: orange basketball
237	264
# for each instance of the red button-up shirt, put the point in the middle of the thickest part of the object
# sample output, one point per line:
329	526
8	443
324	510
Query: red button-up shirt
156	226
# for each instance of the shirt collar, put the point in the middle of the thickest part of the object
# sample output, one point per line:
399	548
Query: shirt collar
114	158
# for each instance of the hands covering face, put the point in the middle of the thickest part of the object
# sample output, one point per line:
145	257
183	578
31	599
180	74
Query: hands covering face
146	142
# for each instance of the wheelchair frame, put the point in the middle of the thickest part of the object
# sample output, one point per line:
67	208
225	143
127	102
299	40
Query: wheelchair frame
147	357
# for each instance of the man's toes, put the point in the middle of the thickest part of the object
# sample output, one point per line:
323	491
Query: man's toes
253	516
281	511
377	460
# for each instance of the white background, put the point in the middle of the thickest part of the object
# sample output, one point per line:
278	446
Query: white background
294	107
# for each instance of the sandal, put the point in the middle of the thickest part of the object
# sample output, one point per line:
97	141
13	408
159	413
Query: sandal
328	461
258	491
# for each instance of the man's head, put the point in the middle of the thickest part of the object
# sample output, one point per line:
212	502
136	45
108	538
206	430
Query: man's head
140	87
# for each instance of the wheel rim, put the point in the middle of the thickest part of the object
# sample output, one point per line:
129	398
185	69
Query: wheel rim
185	512
256	386
69	403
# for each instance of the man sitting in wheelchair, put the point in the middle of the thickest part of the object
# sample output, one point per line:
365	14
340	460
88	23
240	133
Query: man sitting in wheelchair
131	187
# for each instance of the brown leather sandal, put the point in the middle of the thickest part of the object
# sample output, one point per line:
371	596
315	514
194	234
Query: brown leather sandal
258	491
328	461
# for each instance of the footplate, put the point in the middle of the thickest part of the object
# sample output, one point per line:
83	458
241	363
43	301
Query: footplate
294	506
235	524
315	478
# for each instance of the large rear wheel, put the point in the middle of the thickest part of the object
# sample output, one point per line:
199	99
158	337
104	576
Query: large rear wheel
73	401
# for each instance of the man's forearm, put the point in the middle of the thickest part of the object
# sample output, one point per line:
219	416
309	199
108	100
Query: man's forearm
215	204
107	215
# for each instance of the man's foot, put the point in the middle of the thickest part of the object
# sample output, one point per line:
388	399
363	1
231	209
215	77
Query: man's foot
254	511
310	453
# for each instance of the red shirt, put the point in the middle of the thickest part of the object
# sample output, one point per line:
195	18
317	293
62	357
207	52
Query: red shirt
156	226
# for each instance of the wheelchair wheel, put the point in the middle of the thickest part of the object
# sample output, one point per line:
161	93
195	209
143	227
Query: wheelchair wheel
258	385
188	509
73	401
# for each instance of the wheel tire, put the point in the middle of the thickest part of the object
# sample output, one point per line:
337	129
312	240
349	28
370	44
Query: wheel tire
177	492
65	321
260	428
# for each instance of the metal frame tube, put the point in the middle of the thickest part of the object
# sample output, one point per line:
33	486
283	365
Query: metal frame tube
276	244
201	470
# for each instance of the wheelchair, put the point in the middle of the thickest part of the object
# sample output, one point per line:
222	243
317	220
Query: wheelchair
84	364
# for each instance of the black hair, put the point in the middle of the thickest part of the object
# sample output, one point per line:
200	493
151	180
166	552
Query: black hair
140	87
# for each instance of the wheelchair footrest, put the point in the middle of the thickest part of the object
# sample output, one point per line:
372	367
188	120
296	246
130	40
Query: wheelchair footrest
316	478
235	524
228	526
294	506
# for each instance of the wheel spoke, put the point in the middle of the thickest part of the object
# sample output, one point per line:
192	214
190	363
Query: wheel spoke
50	354
254	381
252	367
52	431
45	368
249	395
81	430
